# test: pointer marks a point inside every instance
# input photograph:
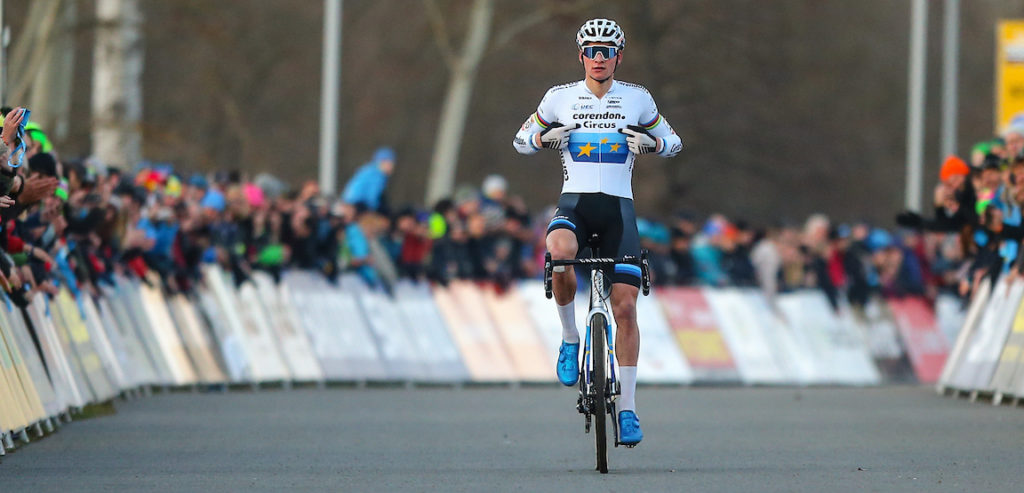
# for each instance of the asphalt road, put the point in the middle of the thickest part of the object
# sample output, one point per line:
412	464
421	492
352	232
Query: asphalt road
530	439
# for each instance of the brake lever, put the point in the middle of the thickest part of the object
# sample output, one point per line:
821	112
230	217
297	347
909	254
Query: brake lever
547	275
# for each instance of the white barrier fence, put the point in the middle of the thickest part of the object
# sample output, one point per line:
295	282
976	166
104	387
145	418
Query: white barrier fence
61	354
987	359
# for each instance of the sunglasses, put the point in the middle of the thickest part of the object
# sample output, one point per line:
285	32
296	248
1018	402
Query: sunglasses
608	52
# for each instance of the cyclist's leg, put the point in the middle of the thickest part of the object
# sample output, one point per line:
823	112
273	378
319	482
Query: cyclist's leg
563	245
563	242
564	235
627	335
623	238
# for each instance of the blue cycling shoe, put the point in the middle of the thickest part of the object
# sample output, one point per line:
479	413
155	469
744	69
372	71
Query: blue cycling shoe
629	428
568	366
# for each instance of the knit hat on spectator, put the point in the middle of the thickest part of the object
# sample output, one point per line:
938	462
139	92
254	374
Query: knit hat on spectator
173	188
199	181
213	200
992	161
43	163
1014	128
254	195
384	154
466	193
983	147
953	166
879	239
494	186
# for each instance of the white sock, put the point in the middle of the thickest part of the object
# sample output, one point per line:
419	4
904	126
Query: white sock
627	384
567	314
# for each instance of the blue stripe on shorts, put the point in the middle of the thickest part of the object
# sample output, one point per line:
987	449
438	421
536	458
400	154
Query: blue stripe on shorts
558	222
627	269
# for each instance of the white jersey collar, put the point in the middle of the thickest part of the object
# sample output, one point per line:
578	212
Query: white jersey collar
615	83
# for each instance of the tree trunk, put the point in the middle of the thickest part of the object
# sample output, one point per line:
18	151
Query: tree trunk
456	103
29	51
51	88
117	84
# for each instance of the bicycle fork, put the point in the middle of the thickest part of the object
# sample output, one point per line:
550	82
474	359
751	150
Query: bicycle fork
587	392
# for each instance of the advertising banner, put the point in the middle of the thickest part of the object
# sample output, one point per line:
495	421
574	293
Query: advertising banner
109	327
236	360
18	406
75	334
22	381
926	346
979	300
66	381
839	349
338	332
11	317
982	356
116	318
292	340
154	307
794	352
102	343
197	340
518	334
268	363
1009	359
950	313
748	343
398	348
661	361
416	304
481	350
697	334
544	314
132	297
264	360
963	374
1009	72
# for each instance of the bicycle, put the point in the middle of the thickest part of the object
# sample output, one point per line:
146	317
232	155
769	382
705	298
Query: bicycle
598	386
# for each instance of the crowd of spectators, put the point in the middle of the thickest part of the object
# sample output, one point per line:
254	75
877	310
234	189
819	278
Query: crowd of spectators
80	221
977	212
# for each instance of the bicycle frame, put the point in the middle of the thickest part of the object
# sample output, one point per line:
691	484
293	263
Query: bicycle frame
599	305
585	403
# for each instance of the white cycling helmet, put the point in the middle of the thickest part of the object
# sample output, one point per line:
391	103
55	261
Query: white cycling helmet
600	31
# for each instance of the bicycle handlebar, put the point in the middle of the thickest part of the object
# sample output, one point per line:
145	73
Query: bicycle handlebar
590	261
645	277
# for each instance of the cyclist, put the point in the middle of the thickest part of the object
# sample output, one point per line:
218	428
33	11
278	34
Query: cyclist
598	125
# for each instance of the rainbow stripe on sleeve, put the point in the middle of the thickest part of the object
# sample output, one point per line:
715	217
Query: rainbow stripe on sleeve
653	123
540	121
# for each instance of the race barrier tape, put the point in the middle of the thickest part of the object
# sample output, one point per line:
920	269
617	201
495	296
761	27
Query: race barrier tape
63	352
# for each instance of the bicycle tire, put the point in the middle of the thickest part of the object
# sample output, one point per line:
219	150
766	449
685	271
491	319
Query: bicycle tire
599	357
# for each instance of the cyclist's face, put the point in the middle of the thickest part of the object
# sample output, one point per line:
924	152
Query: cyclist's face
600	68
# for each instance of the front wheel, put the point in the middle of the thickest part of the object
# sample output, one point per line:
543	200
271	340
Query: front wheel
599	357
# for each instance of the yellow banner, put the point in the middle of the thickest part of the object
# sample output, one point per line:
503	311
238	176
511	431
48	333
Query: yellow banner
1009	72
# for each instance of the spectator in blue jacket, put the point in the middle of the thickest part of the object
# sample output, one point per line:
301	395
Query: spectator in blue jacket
367	184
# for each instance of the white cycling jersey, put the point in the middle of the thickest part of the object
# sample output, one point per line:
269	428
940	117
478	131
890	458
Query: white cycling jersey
597	159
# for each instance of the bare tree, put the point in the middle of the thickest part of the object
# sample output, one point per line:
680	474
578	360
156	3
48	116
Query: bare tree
117	88
51	84
460	87
462	67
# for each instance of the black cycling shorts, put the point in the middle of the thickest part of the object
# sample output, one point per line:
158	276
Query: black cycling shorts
612	219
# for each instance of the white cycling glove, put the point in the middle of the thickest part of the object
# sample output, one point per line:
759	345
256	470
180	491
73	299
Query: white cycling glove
640	141
556	136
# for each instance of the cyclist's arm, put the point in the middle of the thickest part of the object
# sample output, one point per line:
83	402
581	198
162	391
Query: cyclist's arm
670	143
527	140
